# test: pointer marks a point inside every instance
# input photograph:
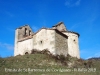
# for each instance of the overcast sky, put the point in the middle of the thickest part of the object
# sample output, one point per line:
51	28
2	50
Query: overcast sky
82	16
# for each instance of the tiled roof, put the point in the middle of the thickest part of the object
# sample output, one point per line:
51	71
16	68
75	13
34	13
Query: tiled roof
22	26
51	29
57	24
72	32
28	37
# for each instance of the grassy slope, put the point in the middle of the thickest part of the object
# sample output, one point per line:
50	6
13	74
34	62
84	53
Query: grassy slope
43	64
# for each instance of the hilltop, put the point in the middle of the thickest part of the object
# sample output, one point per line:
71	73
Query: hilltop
46	64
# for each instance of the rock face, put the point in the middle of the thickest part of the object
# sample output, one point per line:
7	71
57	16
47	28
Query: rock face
58	40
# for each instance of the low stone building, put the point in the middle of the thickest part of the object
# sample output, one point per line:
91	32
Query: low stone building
58	40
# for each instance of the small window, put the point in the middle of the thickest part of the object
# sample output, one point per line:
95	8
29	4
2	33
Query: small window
41	42
25	31
74	40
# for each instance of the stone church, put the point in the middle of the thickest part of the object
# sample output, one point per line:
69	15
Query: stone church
58	40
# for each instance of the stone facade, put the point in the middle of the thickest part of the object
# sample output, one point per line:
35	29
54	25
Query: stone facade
58	40
44	39
73	47
61	44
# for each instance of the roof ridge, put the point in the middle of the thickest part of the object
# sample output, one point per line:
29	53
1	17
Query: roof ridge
72	32
58	24
23	26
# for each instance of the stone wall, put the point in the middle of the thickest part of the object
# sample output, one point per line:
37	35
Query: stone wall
24	32
60	26
53	40
61	44
24	46
44	39
73	46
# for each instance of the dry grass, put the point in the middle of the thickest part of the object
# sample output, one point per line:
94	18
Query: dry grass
43	63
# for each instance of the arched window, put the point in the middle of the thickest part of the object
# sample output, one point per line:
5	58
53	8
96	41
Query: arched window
26	53
25	31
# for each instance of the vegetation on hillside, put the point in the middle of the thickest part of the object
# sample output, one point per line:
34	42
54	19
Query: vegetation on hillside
44	63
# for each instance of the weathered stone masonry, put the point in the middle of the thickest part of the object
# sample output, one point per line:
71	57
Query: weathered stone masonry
58	40
61	43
